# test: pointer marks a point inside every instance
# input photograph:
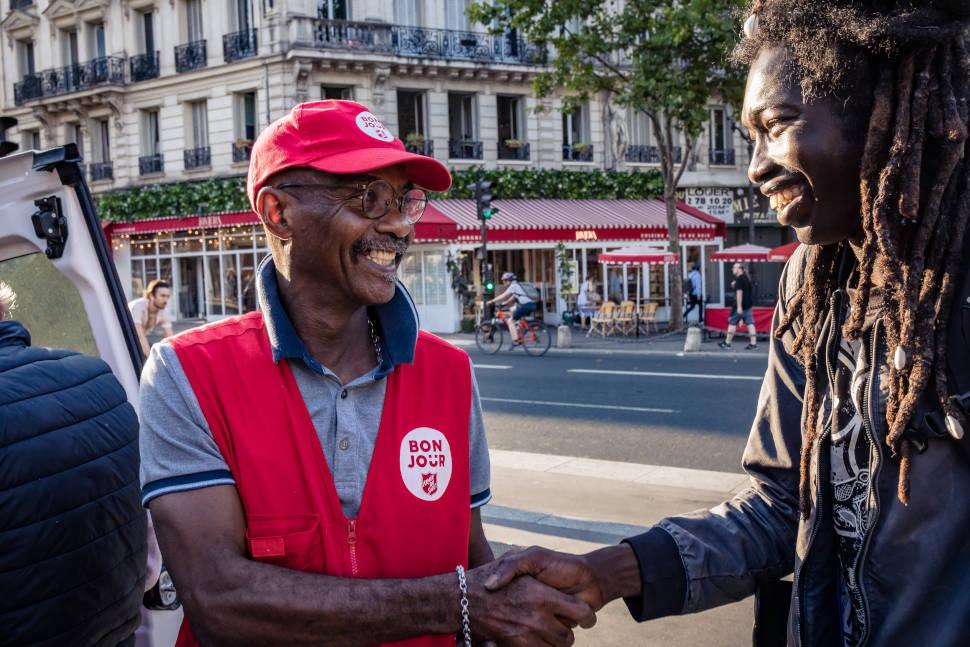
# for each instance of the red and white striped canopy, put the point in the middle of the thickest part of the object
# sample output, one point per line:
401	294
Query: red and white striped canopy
638	255
783	253
742	254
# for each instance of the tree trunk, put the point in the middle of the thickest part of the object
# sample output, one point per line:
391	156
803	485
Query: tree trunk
676	272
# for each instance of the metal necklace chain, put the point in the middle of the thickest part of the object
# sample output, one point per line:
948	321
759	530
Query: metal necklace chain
376	340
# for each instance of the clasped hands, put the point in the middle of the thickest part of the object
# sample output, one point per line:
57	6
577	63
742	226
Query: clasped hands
534	597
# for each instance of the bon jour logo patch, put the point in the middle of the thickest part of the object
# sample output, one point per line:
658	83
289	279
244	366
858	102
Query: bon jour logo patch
371	125
426	463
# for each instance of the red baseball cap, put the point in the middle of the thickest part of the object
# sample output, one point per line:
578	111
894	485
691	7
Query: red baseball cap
334	136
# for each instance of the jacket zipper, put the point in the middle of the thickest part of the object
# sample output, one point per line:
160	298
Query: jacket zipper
352	543
873	472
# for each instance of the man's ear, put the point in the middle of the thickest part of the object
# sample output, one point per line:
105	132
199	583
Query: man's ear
271	206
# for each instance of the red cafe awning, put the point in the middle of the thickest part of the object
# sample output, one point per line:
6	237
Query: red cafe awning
638	255
783	253
742	254
433	226
555	220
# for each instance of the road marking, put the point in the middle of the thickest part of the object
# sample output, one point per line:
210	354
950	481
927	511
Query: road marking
578	405
723	483
497	367
687	376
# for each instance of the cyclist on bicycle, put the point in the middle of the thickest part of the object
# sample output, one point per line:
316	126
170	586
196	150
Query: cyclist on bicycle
524	305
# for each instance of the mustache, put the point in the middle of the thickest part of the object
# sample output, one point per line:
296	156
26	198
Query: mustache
363	245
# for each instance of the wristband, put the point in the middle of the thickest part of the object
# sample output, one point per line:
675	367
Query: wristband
465	620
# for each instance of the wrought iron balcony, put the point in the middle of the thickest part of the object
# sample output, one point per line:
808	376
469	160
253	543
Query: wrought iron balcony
425	148
149	164
242	150
420	42
239	45
20	4
108	70
144	67
577	152
190	56
197	157
515	151
722	157
464	149
637	154
102	171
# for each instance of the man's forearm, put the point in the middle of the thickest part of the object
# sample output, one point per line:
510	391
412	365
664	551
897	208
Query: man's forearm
261	604
617	571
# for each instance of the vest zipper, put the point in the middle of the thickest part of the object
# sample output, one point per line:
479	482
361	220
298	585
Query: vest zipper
352	543
873	472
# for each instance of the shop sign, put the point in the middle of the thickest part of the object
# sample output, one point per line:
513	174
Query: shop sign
210	222
585	234
713	200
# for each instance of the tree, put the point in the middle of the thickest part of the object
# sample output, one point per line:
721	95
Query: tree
665	58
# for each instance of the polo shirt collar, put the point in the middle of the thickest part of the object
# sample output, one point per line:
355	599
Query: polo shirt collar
396	322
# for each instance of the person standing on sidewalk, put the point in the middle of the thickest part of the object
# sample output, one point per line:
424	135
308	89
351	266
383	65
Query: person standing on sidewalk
695	296
743	308
150	312
858	456
315	469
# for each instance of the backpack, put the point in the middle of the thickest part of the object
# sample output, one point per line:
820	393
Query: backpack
530	290
688	288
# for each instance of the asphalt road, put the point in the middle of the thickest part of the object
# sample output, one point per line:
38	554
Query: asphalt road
687	411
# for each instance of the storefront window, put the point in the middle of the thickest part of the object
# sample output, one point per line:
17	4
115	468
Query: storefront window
410	270
435	279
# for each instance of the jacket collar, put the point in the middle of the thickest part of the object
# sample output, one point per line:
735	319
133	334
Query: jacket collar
13	335
396	321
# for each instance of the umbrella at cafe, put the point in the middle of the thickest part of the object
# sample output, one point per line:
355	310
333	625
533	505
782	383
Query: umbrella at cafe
638	256
743	254
783	253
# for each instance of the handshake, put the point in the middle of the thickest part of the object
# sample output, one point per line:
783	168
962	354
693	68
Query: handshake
538	596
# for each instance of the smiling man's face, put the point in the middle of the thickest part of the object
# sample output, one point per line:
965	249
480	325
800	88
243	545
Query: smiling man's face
806	158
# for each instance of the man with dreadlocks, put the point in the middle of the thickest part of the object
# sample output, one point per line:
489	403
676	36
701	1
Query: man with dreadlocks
860	471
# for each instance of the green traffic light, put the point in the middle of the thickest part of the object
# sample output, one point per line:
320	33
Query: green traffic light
489	286
487	213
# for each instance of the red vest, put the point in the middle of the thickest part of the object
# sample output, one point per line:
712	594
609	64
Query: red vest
414	517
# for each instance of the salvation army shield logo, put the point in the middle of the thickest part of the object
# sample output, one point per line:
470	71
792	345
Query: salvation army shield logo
426	463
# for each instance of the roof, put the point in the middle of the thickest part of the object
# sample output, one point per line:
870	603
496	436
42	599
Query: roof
548	219
742	253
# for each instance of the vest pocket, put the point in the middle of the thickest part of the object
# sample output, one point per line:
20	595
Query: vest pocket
291	540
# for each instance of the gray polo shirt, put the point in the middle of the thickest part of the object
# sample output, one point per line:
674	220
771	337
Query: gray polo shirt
179	453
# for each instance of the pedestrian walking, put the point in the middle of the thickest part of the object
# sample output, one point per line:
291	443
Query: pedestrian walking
315	469
743	308
588	301
695	293
73	543
858	457
150	312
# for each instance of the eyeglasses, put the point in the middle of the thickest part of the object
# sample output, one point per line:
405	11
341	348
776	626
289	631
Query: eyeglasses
375	198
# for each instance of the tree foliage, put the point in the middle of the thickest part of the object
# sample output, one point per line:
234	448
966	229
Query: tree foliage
665	58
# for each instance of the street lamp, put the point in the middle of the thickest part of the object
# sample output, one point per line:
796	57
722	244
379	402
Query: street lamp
750	142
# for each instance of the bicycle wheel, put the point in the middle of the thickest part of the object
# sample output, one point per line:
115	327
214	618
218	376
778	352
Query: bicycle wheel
488	337
537	339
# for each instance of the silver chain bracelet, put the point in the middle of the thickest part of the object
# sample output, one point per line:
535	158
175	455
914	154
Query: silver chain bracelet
466	626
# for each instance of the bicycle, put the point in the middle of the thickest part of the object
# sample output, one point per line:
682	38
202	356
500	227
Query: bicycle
534	336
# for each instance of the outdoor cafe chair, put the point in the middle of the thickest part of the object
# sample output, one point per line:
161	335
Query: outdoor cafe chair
626	317
603	322
648	317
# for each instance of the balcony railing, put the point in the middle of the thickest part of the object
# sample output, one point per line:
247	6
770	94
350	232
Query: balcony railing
108	70
722	157
239	45
514	151
242	150
425	147
420	42
102	171
636	154
190	56
150	164
197	157
144	67
20	4
577	152
464	149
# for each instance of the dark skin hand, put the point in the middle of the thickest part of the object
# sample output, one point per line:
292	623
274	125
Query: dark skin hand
233	600
805	158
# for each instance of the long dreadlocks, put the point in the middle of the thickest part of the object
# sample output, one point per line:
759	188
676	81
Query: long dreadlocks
905	67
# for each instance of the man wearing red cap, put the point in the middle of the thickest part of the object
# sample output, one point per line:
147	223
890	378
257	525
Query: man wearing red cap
308	465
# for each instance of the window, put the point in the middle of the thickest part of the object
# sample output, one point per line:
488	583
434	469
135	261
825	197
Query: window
200	124
337	92
101	149
242	14
425	276
69	49
408	12
511	121
332	9
30	140
193	20
75	135
147	32
462	121
96	41
721	146
574	130
455	14
150	135
411	113
640	129
246	116
25	57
